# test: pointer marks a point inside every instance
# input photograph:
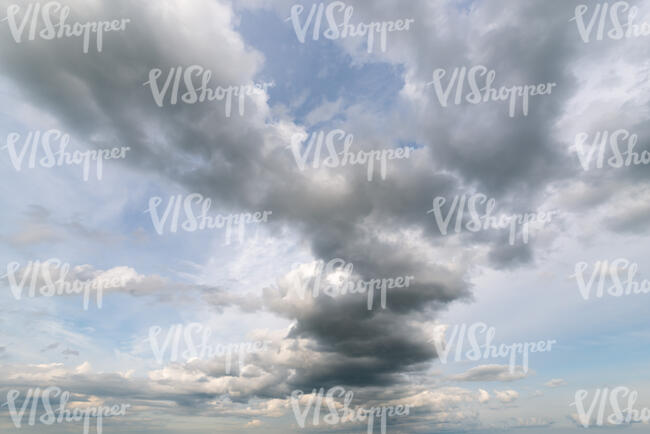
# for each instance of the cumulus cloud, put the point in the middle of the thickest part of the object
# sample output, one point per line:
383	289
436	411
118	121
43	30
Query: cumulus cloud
556	382
506	396
492	373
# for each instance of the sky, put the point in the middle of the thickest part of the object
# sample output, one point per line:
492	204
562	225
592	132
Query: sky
312	211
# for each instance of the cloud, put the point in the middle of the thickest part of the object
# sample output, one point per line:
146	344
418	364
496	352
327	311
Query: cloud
380	227
527	422
491	373
324	112
556	382
68	280
506	396
40	227
178	143
254	423
50	347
